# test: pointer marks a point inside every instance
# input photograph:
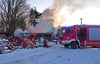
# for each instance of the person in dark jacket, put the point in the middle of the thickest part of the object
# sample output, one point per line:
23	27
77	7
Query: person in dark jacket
45	43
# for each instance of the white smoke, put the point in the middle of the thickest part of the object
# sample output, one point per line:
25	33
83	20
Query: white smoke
73	10
18	32
44	25
69	12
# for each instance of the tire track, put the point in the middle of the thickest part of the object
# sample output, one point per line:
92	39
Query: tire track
31	58
56	58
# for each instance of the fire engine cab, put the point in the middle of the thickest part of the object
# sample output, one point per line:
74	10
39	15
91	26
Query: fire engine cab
77	36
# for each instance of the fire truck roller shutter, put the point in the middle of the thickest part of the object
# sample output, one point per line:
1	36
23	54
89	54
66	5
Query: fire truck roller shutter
94	33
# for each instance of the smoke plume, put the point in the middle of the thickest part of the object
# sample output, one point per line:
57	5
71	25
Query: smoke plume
89	10
54	10
82	8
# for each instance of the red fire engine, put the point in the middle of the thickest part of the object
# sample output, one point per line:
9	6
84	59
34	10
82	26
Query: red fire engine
77	36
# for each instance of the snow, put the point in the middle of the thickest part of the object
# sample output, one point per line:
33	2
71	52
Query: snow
56	54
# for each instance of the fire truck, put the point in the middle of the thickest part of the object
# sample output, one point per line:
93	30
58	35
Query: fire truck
77	36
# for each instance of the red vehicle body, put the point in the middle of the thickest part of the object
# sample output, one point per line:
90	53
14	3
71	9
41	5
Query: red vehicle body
80	36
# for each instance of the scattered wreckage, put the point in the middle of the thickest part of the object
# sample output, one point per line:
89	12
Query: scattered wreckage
26	41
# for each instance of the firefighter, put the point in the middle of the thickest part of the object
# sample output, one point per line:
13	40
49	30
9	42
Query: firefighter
32	38
31	41
45	43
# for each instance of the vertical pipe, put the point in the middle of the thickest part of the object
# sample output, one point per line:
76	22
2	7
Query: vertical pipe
81	20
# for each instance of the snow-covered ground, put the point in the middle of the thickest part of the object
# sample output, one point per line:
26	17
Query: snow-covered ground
56	54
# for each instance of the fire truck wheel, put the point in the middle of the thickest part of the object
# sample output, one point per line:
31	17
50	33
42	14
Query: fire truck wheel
74	45
66	45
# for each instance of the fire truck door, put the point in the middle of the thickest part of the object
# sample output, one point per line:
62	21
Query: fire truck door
82	34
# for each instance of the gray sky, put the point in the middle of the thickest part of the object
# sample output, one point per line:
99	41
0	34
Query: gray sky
40	4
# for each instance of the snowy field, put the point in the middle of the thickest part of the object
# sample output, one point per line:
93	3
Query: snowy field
56	54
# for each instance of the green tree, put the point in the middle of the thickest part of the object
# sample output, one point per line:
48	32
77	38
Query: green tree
34	15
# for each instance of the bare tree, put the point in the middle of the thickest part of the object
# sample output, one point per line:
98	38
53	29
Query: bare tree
22	21
11	11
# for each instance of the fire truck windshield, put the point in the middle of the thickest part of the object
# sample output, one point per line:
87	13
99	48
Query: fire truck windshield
69	31
61	31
